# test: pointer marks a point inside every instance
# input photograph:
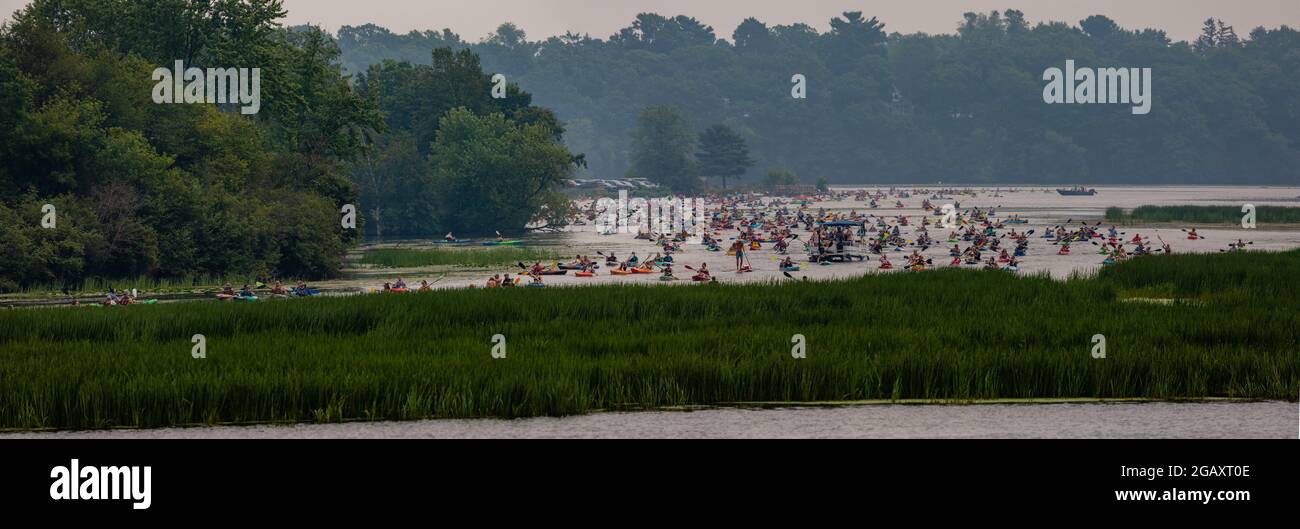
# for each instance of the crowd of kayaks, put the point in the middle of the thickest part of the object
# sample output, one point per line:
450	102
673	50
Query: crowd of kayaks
278	290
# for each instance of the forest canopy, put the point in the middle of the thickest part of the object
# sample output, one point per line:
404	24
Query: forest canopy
136	189
891	108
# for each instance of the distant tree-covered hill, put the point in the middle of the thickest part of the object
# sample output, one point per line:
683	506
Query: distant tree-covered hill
892	108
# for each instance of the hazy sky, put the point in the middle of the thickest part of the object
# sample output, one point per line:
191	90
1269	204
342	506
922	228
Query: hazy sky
473	19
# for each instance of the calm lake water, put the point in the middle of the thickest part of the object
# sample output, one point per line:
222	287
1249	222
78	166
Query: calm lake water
1102	420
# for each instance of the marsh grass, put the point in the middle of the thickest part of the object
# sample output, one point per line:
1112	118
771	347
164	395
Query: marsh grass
99	285
412	257
1201	215
946	334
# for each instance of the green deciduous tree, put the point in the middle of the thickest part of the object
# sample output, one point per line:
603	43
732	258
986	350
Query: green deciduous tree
493	174
723	154
779	177
662	148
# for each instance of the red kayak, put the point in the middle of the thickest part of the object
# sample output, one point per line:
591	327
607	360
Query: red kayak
585	274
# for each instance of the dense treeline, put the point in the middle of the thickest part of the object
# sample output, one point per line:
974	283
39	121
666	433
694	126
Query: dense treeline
884	108
201	191
163	190
455	156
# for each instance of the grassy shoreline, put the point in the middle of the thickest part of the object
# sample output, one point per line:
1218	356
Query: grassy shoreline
481	258
941	335
1273	216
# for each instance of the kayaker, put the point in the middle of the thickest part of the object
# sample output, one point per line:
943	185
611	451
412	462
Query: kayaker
245	292
424	286
449	237
633	260
279	288
507	282
228	290
400	284
494	281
